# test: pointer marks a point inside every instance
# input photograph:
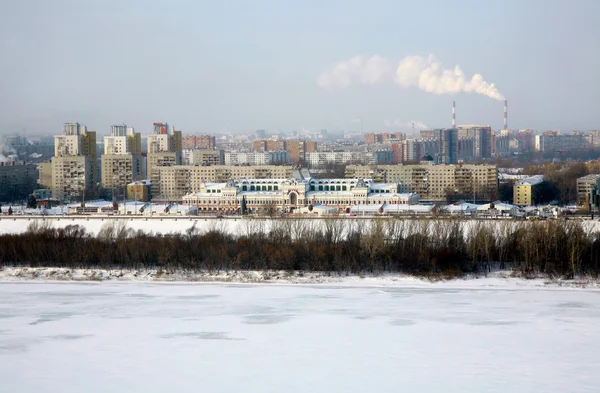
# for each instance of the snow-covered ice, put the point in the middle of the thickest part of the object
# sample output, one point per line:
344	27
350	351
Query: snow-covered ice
149	337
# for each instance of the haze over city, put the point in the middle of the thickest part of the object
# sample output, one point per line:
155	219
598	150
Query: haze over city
215	67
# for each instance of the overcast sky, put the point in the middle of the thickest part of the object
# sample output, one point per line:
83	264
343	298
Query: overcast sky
206	67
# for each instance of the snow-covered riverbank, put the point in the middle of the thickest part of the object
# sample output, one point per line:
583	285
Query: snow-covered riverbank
503	279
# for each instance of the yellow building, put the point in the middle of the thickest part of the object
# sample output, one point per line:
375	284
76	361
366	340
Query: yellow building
45	174
435	182
122	160
525	191
139	191
74	165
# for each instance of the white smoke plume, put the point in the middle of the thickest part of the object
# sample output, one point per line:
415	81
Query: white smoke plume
359	69
425	73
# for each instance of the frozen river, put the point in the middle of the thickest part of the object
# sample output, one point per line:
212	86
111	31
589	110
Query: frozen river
134	337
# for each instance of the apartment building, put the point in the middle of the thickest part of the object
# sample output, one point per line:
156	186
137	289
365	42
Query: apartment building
203	157
297	149
45	174
552	141
435	182
17	180
447	144
121	162
525	191
474	142
384	137
164	147
339	157
585	186
257	158
171	183
198	142
74	165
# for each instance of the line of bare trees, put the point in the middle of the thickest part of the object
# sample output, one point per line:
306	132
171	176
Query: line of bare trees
420	247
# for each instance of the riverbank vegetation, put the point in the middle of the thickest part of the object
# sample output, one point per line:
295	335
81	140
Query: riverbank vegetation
449	248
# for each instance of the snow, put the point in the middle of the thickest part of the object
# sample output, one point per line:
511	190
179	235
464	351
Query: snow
148	337
235	225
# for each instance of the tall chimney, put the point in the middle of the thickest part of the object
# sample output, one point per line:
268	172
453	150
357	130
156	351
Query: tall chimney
506	114
453	114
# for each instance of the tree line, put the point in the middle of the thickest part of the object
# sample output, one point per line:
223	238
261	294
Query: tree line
419	246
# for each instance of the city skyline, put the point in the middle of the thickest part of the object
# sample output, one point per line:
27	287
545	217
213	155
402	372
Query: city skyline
210	68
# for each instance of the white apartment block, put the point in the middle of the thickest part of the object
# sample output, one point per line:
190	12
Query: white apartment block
257	158
559	142
339	157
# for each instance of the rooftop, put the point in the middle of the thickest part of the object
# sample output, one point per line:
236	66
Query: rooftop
532	181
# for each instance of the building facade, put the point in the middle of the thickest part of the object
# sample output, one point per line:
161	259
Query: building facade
297	149
257	158
339	157
525	191
74	165
435	182
198	142
552	141
121	162
171	183
289	195
203	157
139	191
17	180
164	147
585	186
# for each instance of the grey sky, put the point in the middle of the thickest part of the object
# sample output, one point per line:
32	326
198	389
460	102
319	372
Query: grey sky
242	65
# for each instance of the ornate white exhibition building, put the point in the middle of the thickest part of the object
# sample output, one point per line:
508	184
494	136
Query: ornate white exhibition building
292	195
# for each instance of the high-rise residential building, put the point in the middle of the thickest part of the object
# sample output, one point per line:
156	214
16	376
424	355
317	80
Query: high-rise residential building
121	162
384	137
474	142
398	152
164	147
74	165
207	142
501	144
526	140
298	149
448	145
411	150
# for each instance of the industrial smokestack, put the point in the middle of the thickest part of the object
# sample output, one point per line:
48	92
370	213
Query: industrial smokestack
453	114
506	114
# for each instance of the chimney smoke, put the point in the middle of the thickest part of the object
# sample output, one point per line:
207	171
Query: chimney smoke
506	114
453	114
